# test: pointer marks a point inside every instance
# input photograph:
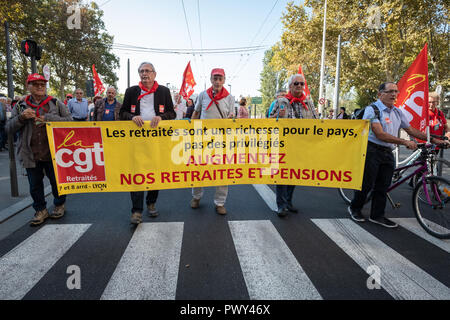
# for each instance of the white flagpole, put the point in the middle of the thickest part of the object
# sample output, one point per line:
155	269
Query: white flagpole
322	66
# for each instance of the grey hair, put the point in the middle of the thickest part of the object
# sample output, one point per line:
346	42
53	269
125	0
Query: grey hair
111	87
140	66
291	78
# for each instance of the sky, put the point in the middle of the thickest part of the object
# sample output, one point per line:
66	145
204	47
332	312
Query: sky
222	24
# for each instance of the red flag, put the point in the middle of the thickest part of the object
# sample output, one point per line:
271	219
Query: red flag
413	96
98	85
187	87
306	91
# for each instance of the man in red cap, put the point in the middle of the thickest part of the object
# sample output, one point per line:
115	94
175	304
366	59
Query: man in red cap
29	117
214	103
68	97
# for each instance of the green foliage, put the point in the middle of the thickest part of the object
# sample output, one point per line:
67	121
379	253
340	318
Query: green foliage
271	80
369	55
70	53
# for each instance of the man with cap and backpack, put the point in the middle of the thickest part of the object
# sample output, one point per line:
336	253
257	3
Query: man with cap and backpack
28	117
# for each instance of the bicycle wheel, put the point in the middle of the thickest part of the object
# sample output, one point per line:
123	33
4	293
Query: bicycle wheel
433	213
440	168
346	195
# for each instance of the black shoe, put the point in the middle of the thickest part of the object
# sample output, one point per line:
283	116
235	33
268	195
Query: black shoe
282	212
384	222
292	208
356	215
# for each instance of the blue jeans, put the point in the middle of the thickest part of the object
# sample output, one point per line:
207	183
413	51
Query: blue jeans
36	180
284	195
137	198
3	135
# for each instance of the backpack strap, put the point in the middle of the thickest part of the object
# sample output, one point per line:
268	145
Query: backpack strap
376	110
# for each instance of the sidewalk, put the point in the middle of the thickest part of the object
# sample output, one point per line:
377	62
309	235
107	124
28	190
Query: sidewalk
10	206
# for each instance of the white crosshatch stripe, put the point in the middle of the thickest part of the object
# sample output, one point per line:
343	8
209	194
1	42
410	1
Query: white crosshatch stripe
399	277
270	270
148	269
23	267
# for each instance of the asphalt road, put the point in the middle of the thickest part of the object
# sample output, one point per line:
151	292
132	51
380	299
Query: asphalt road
319	253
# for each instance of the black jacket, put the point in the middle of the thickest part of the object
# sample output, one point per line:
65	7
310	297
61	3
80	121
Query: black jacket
162	97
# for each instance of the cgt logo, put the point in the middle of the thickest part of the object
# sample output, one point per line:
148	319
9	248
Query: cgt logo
79	154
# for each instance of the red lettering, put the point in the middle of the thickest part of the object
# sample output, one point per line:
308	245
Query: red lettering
165	177
251	173
195	175
124	177
306	175
239	173
274	172
282	155
284	173
325	177
140	176
348	176
337	176
296	173
150	178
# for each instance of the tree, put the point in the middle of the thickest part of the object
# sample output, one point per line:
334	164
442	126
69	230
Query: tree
271	80
380	41
70	53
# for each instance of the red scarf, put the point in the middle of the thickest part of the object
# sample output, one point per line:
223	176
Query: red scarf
293	99
219	96
40	106
153	89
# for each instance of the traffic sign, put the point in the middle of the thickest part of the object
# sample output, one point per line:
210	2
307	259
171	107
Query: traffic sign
322	101
46	71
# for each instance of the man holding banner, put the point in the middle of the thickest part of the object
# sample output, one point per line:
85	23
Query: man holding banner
146	101
295	105
28	118
214	103
386	120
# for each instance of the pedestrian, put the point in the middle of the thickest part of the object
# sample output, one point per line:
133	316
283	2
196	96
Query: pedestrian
280	94
295	105
107	109
180	107
3	136
438	123
29	118
330	114
68	97
342	114
189	108
243	111
147	101
380	164
214	103
79	106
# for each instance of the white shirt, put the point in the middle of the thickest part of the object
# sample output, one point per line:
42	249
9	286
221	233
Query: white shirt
180	110
148	106
226	105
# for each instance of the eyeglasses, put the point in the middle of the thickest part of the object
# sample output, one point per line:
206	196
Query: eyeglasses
391	91
42	85
298	83
146	71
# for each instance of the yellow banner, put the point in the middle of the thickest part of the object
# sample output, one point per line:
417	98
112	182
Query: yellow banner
120	156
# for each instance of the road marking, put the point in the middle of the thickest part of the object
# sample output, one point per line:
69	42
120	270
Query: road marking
270	270
268	195
148	269
399	277
412	225
23	267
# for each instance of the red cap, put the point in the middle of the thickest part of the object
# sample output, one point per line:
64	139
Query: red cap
35	77
69	95
218	71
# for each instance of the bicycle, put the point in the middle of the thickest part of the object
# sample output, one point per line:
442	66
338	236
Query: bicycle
431	195
438	166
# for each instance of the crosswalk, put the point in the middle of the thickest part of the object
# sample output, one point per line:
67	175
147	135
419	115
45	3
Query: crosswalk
149	267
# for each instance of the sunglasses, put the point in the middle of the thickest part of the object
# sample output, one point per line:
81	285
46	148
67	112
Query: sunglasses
298	83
